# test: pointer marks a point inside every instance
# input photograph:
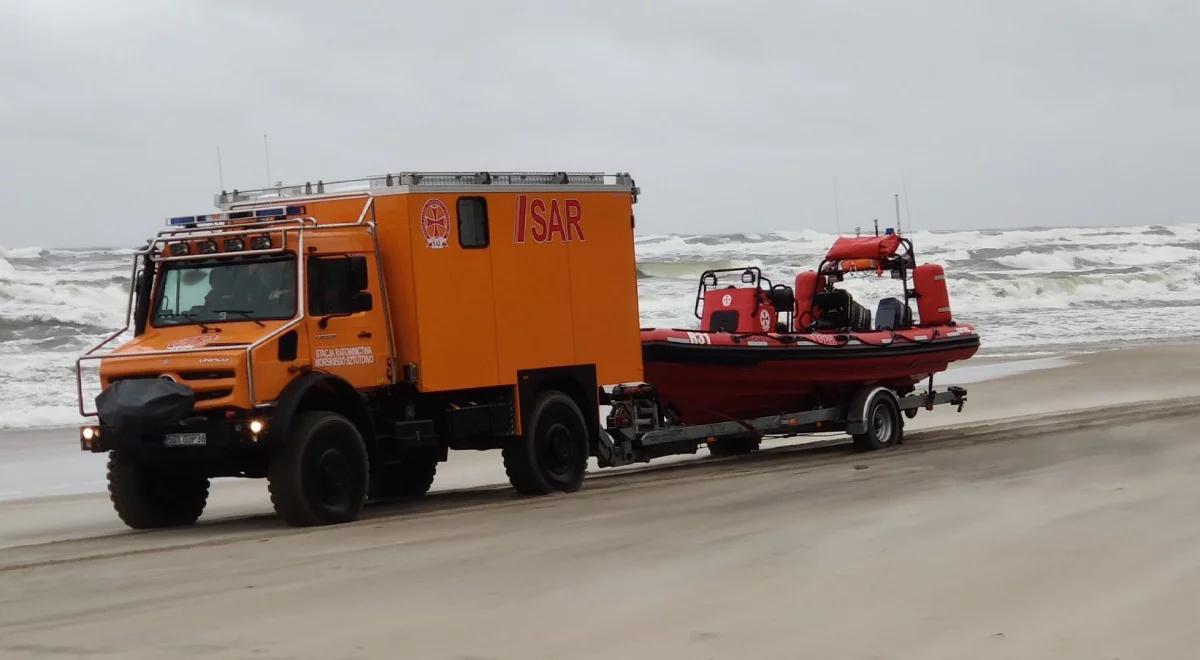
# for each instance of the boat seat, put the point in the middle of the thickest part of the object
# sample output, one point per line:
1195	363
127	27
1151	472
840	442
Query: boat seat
803	314
892	315
782	297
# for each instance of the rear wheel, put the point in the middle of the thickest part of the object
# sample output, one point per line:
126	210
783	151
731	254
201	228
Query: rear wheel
734	446
411	477
319	476
147	496
552	454
885	427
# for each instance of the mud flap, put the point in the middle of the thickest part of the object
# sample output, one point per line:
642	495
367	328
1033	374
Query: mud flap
856	412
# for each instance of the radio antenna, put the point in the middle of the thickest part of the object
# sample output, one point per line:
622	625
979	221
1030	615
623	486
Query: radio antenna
897	198
220	170
267	158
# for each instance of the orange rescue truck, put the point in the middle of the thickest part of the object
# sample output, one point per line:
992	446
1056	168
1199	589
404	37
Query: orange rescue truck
338	338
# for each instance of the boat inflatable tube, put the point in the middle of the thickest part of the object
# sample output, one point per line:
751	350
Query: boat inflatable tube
145	405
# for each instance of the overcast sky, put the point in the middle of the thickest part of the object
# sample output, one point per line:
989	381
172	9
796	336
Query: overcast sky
732	117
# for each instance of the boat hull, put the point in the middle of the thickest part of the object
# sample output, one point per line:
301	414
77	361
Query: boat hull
710	377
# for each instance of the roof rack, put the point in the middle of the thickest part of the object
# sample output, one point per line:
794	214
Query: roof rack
373	184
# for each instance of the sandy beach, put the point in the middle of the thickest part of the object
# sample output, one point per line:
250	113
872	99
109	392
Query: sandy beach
1055	517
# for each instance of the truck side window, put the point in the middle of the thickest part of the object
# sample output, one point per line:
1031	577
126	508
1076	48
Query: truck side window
337	285
472	222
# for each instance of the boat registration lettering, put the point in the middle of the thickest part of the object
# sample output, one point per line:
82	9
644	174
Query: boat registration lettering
699	338
343	356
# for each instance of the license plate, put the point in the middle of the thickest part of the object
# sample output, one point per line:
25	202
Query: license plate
185	440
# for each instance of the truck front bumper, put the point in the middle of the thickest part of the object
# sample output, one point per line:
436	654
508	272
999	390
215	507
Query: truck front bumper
195	438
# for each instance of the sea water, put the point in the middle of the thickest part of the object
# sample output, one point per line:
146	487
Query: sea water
1029	292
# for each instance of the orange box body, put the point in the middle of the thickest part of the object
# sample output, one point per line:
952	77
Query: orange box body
474	317
555	285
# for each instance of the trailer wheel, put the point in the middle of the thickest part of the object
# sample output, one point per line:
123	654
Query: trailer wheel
411	477
734	445
147	496
319	476
884	427
552	454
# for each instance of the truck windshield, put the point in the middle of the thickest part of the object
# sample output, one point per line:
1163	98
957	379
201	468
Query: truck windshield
212	292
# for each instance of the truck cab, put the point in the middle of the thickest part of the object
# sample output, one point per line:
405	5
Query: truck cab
340	339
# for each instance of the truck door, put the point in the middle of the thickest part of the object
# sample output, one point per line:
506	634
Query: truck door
346	320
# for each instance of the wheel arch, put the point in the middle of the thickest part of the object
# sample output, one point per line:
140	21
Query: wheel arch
856	412
577	382
321	391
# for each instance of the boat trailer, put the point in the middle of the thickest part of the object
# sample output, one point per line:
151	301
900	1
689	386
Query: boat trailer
639	429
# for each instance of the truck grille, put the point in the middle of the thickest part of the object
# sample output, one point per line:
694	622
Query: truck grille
209	395
205	375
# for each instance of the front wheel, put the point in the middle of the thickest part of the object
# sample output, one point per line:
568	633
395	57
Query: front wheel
319	476
147	496
552	454
884	426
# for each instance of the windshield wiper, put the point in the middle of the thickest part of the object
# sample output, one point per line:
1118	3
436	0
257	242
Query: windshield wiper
245	314
191	316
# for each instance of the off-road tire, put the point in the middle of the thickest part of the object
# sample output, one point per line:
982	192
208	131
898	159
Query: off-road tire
148	496
410	477
319	475
552	455
885	426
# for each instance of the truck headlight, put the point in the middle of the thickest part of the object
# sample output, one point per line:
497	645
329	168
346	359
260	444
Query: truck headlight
89	437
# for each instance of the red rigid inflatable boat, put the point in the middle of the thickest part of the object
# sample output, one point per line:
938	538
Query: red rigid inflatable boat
763	348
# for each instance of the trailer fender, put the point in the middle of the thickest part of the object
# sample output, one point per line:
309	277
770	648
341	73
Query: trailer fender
856	412
316	390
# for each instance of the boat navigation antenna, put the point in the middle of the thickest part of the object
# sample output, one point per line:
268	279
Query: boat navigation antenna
220	169
876	226
267	158
897	198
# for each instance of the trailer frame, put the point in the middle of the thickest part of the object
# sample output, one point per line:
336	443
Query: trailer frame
649	432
